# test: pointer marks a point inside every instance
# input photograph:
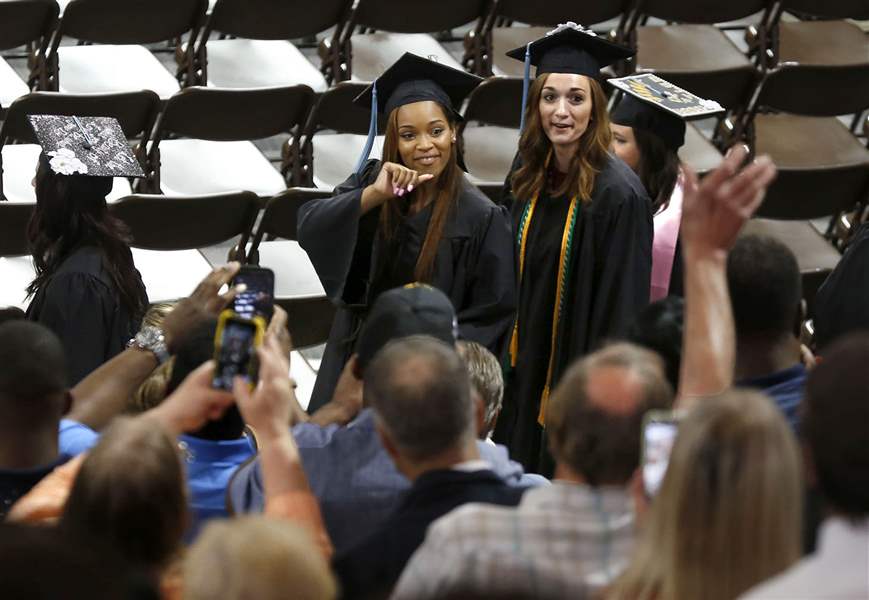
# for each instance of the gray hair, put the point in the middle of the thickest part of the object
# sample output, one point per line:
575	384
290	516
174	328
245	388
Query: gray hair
486	378
420	392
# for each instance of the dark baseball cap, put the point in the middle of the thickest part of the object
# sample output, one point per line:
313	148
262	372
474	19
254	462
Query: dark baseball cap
415	309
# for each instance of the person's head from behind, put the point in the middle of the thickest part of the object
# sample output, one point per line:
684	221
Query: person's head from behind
11	313
130	495
728	513
487	384
594	417
197	348
256	557
568	111
71	211
765	289
33	380
421	395
835	426
659	327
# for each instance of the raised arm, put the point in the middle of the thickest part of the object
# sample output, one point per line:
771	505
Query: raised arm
714	211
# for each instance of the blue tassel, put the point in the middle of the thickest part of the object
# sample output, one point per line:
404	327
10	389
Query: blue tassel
372	130
525	81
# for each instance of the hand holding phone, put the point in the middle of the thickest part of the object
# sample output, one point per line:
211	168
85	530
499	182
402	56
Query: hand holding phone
659	433
235	342
259	296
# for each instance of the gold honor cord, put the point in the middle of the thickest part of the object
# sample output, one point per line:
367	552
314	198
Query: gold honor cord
564	263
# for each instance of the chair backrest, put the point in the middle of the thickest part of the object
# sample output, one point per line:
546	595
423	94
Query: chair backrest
280	217
309	320
335	110
496	102
553	12
135	111
830	9
815	193
227	115
822	90
14	217
275	19
401	16
23	21
702	11
160	222
131	21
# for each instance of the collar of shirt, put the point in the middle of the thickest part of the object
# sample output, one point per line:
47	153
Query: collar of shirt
469	466
579	497
844	540
214	451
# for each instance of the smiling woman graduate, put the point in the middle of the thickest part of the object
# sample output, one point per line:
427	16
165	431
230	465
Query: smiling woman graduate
583	228
409	217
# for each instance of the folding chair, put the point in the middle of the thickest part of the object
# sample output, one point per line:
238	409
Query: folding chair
486	51
24	23
19	151
694	54
257	51
335	135
167	230
14	217
297	286
218	156
401	27
118	62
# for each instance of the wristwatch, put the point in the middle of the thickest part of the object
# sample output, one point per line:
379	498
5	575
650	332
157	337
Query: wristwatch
151	339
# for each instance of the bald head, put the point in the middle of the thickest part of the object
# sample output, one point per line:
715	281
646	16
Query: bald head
595	415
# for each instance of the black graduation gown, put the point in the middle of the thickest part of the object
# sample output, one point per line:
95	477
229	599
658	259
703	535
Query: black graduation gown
607	285
81	305
474	266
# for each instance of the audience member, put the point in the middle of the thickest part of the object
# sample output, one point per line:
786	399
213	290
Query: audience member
659	327
349	470
835	432
256	557
728	513
420	392
487	384
765	292
576	535
11	313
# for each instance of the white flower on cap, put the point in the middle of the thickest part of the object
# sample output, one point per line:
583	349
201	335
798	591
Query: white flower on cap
710	104
65	162
571	25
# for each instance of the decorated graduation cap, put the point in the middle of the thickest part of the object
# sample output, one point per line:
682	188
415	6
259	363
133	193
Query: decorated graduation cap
656	105
412	79
569	48
90	146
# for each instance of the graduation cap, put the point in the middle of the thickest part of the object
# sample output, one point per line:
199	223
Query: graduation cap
658	106
92	146
411	79
569	48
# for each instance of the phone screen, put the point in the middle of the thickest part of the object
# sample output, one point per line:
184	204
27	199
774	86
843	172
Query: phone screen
258	298
658	438
236	350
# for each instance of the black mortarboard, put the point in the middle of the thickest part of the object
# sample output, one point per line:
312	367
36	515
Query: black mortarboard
93	146
411	79
569	48
415	309
656	105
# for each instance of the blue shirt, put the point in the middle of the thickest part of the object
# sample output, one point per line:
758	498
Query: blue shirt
209	465
785	388
75	438
353	477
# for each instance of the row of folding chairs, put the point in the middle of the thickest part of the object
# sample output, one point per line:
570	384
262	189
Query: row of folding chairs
246	43
168	232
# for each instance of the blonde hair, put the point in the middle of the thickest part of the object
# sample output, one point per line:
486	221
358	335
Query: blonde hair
256	557
729	511
156	313
152	391
535	148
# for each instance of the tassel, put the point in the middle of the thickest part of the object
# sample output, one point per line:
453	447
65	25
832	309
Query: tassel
525	80
372	130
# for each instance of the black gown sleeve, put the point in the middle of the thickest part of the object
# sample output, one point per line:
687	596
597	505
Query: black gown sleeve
78	309
335	234
492	294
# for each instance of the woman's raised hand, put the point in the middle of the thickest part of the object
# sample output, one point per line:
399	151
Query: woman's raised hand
394	180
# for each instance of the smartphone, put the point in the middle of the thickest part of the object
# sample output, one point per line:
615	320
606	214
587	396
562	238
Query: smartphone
659	433
259	297
235	342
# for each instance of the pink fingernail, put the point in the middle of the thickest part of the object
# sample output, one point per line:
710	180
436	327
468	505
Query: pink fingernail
401	193
395	191
410	188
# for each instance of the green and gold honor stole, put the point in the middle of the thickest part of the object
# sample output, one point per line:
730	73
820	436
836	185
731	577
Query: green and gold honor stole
558	308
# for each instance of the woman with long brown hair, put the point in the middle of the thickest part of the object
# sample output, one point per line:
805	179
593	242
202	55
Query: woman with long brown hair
411	217
583	228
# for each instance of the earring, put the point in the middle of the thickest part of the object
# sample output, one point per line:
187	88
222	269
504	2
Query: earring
454	139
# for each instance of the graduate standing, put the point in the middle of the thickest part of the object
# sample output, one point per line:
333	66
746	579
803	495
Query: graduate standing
648	127
409	217
583	227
